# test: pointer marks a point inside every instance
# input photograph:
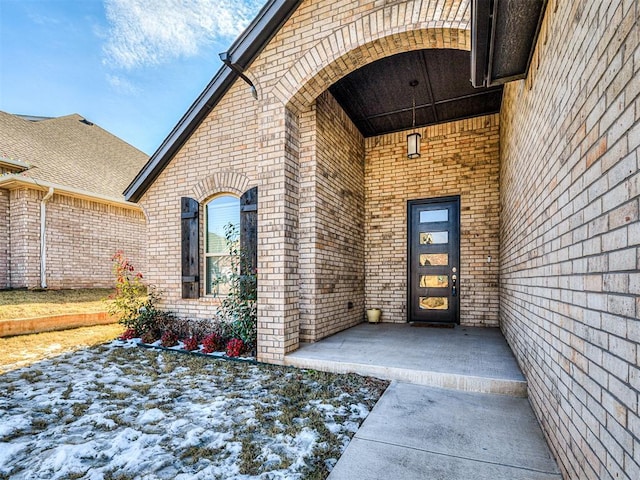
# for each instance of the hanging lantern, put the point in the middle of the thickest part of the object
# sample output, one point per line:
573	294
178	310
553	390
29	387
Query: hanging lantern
413	145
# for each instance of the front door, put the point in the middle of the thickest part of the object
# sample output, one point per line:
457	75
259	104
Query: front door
434	259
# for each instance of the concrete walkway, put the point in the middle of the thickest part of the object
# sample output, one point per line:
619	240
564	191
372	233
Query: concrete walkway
463	358
479	427
424	433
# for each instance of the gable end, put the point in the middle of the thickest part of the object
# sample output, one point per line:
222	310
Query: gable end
241	53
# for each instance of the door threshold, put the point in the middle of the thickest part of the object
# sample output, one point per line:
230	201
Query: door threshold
432	324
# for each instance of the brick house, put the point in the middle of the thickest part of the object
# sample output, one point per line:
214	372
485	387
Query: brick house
535	195
61	203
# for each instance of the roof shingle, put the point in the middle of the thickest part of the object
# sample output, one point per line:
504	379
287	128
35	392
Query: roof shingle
70	151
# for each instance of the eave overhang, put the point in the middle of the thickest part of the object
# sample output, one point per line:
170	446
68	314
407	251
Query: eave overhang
10	163
13	181
241	53
503	38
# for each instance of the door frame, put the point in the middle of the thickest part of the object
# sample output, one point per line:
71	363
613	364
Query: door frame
432	201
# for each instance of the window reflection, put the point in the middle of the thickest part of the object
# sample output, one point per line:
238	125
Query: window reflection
434	281
433	259
434	216
434	303
429	238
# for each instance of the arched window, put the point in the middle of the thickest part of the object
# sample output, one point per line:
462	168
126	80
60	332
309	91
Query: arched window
222	220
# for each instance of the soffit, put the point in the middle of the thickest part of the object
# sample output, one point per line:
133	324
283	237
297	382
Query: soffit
378	97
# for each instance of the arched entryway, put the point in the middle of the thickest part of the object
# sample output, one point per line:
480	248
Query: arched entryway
326	223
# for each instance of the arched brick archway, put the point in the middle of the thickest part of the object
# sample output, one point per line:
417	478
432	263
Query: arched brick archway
309	77
378	33
219	182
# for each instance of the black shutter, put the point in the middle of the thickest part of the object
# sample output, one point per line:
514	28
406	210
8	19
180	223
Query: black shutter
249	228
190	247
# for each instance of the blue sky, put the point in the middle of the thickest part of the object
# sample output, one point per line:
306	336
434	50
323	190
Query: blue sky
131	66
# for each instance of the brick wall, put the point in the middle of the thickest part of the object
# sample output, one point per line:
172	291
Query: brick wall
458	158
4	239
24	218
220	157
570	234
331	223
81	238
264	142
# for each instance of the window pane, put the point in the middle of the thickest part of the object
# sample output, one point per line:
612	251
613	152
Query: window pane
428	238
221	211
434	216
427	259
218	272
434	281
434	303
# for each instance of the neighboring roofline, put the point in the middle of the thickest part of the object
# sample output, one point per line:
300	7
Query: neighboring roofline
33	118
241	53
11	181
9	162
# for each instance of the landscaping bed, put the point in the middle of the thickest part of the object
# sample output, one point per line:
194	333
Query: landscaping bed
120	413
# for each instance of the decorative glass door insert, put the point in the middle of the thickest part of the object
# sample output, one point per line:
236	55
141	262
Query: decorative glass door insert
433	254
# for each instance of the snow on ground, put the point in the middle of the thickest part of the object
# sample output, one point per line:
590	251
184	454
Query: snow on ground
121	413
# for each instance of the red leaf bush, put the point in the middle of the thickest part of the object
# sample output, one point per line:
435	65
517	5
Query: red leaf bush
190	344
128	334
169	339
150	336
211	343
234	347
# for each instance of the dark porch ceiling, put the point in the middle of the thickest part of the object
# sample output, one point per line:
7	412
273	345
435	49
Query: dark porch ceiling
378	96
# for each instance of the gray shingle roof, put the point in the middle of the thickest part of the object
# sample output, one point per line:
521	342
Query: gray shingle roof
70	151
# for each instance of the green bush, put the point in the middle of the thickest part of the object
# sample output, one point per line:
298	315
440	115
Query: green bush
238	310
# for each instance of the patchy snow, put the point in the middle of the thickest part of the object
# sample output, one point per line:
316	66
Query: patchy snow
110	412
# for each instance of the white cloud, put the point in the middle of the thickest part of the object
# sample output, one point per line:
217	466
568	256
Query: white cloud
40	19
122	85
150	32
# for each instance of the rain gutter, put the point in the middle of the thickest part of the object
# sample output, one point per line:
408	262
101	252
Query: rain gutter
43	237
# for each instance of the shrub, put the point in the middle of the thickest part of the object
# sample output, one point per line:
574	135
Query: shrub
129	296
128	334
190	344
150	336
169	339
212	343
235	346
150	318
238	310
199	328
135	304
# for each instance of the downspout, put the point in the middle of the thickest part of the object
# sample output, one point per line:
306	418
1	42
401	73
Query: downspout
226	59
43	238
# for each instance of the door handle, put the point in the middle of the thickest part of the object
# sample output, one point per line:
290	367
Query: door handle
453	285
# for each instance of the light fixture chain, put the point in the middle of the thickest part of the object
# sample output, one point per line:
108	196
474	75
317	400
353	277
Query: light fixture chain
413	123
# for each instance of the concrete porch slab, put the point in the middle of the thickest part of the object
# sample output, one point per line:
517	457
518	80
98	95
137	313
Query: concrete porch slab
462	358
417	432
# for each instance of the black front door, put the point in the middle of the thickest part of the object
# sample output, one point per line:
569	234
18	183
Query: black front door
434	259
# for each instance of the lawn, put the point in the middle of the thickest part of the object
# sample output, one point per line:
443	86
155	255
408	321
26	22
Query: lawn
15	304
23	350
110	412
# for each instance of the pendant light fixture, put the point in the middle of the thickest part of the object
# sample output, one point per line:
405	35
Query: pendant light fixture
413	139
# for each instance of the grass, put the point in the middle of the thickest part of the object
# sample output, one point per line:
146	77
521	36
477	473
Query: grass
264	421
15	304
23	350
